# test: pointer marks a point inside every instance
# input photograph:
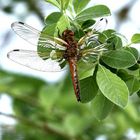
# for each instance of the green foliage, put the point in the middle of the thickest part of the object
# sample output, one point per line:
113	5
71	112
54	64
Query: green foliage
107	78
135	38
112	87
93	12
55	22
114	57
79	5
101	106
119	59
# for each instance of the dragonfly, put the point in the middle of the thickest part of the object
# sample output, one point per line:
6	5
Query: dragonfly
61	50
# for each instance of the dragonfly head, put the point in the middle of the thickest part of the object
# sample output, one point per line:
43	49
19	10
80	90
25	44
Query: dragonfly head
67	33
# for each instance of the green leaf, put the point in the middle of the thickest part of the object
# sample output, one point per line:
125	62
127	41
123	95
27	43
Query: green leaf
112	87
64	4
133	85
135	38
54	2
89	89
93	12
119	59
118	42
101	106
53	18
114	42
87	24
79	5
134	67
85	69
108	32
56	24
78	33
134	51
110	37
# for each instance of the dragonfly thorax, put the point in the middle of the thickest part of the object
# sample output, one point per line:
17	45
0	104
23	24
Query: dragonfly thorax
72	47
68	36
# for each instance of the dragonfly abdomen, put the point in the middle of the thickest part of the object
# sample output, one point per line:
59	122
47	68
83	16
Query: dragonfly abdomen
74	75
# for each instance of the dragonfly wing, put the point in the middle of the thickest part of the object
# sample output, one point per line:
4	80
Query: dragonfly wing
92	36
35	37
32	60
100	25
26	32
93	52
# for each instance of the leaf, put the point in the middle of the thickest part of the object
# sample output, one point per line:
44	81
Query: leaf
87	24
119	59
114	42
101	106
112	87
79	5
135	38
85	69
108	32
53	18
133	85
60	23
118	42
134	67
54	2
134	51
93	12
89	88
64	4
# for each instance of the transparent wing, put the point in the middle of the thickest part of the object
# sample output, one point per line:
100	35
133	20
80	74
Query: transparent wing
92	35
100	25
91	54
32	60
34	36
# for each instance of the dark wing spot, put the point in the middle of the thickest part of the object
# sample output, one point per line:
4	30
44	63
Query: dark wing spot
21	22
16	50
106	21
8	55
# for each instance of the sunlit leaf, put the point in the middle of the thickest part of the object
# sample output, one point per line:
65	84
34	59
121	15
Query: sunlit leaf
79	5
93	12
85	69
112	87
134	51
53	18
56	25
119	59
64	4
54	2
135	38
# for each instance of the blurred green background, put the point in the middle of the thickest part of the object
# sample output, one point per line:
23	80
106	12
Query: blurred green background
43	104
